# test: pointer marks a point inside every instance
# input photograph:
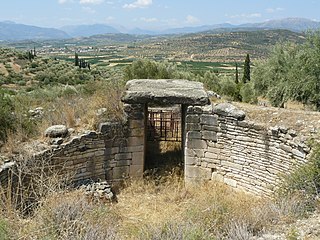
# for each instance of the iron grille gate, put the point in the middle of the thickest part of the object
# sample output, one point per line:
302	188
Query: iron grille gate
164	125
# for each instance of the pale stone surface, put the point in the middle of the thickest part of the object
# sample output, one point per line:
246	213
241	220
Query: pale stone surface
227	109
239	153
198	172
56	131
210	120
165	91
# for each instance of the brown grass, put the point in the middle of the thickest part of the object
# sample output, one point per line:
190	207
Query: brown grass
64	105
300	120
158	207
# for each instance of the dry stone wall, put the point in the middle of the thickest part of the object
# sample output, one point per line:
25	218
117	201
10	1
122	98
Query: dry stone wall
113	153
221	145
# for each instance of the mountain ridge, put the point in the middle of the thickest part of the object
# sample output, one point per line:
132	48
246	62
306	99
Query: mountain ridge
10	31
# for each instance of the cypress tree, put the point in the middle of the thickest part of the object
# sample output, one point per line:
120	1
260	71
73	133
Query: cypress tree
237	74
76	59
246	70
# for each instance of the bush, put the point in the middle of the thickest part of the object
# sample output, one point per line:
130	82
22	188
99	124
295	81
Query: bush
229	88
147	69
74	217
247	93
7	118
304	181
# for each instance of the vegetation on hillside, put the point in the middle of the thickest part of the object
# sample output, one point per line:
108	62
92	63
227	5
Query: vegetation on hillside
152	208
291	72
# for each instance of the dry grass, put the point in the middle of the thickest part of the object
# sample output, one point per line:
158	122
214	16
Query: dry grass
156	208
304	121
75	108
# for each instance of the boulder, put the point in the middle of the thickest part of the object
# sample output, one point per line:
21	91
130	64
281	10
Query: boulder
56	131
228	110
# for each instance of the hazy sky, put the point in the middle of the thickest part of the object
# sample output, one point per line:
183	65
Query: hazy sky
153	14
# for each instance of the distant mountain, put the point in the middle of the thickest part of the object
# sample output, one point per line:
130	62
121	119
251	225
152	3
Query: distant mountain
89	30
10	31
293	24
196	29
140	31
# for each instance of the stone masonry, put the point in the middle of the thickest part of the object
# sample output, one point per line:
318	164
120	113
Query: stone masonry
222	146
219	144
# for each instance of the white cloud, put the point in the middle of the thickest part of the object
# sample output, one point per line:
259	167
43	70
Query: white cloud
91	1
138	4
88	10
244	15
149	20
109	19
273	10
62	1
192	19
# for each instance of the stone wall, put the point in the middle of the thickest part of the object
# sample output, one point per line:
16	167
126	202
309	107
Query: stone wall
221	145
113	153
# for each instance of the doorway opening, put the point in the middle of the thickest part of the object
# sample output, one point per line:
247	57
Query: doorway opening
164	151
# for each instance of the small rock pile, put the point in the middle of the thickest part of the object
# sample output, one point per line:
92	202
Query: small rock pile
100	191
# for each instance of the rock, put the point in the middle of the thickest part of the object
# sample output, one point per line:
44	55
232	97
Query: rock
56	141
101	111
213	94
292	133
165	91
71	130
228	110
100	191
283	129
56	131
36	113
7	165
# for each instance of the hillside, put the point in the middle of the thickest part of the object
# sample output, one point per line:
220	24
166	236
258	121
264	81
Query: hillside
88	30
215	47
10	31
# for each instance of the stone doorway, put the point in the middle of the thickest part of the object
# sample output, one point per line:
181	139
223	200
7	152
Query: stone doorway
164	139
142	94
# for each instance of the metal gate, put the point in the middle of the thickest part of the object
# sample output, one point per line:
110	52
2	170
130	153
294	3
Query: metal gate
164	125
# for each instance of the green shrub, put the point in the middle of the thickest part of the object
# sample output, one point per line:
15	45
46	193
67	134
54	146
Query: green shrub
247	93
7	118
147	69
229	88
304	181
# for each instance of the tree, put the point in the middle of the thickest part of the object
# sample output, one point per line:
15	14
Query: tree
76	59
246	70
237	74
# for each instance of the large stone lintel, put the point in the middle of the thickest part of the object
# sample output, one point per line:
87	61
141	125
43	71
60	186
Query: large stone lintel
165	92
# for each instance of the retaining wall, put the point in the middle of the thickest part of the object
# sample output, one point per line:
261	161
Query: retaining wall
113	153
222	145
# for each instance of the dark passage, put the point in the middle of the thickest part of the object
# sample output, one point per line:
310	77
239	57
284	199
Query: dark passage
164	151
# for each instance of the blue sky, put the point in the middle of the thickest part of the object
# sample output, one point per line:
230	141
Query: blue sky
153	14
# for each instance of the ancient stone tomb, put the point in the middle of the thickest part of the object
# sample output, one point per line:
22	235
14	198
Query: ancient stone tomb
217	142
